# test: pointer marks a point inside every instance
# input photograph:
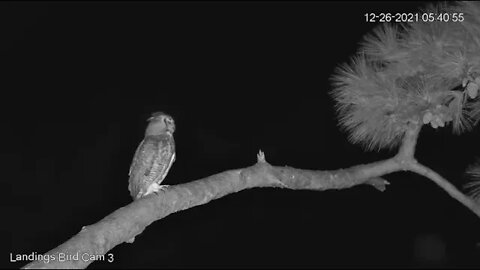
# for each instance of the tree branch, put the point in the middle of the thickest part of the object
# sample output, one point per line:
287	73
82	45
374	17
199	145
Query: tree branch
406	153
447	186
406	157
129	221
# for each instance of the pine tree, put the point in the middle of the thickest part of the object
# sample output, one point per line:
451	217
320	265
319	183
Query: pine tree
425	73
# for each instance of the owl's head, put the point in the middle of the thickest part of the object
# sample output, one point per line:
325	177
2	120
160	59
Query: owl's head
160	123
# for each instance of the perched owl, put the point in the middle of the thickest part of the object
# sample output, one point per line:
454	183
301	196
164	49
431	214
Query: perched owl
154	156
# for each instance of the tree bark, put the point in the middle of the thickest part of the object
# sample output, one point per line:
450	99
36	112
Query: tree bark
124	224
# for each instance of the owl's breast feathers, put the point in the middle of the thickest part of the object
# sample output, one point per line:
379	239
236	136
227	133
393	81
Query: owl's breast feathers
152	160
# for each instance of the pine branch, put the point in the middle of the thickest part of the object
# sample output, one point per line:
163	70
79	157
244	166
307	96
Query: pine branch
447	186
402	75
473	187
406	157
128	222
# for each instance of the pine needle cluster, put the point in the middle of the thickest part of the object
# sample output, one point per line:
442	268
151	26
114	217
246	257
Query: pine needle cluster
424	72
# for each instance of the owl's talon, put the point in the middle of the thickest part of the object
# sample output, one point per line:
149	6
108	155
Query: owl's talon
156	188
161	188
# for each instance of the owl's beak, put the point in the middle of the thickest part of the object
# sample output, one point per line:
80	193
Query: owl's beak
170	124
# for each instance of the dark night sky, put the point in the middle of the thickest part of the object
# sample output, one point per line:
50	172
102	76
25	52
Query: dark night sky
80	79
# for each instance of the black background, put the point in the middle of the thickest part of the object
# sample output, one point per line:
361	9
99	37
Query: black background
80	80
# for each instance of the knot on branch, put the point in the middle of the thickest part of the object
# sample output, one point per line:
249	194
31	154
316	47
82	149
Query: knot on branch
405	162
261	157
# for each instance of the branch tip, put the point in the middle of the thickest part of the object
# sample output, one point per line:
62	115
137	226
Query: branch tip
378	183
261	157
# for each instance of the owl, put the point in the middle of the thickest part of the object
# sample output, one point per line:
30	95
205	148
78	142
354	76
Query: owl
154	157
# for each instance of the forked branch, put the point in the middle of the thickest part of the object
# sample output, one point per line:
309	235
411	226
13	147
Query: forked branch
406	158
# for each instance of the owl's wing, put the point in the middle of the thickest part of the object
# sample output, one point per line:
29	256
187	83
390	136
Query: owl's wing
165	167
141	168
166	157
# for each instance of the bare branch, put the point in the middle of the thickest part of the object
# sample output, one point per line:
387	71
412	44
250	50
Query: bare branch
406	152
407	160
447	186
126	223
